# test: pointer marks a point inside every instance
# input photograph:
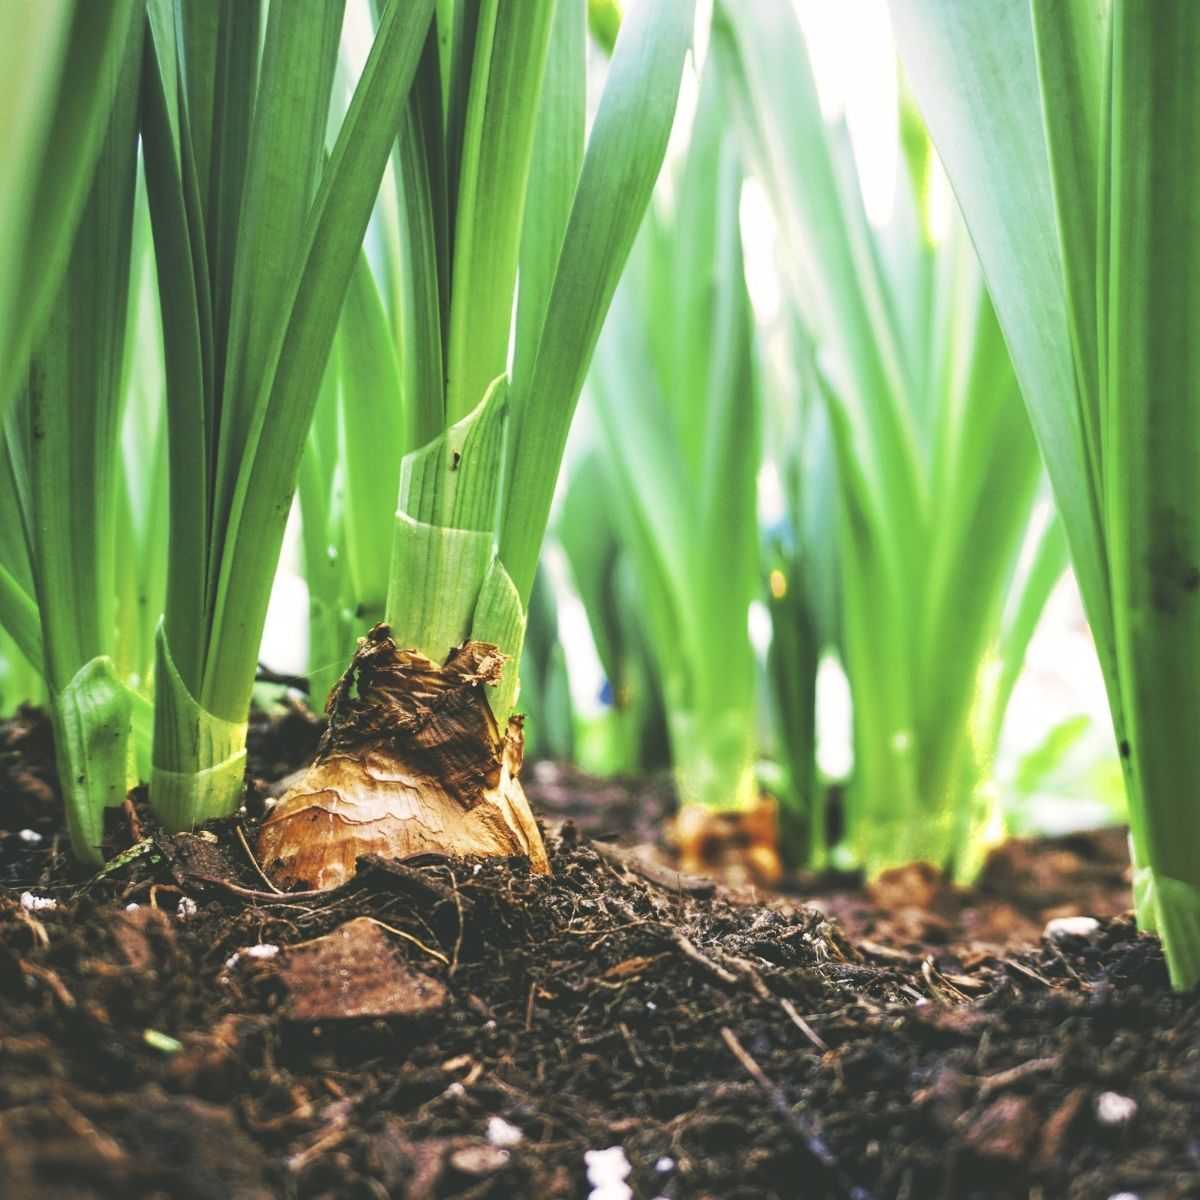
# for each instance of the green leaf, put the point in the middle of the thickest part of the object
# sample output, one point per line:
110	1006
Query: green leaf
506	83
1150	430
553	176
374	436
306	321
285	158
61	64
624	154
973	69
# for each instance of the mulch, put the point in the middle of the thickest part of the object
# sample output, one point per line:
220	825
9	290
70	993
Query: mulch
444	1028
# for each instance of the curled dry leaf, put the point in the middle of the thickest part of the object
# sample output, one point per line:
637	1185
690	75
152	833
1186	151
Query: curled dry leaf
412	763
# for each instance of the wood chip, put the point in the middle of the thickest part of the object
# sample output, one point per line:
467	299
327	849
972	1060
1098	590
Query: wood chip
354	972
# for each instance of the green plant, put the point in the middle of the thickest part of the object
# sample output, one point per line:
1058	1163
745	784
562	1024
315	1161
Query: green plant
64	492
1069	131
679	412
937	469
257	229
492	178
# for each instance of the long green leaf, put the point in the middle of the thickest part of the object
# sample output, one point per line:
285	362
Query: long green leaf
624	154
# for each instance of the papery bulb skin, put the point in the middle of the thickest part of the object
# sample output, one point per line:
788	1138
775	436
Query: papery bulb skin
413	762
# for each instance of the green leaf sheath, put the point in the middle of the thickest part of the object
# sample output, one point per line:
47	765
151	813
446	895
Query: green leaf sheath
199	763
92	716
444	541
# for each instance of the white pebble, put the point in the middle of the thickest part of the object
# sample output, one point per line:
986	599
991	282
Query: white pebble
665	1164
186	908
132	906
607	1171
31	837
32	903
1124	1196
503	1133
262	950
651	1006
1071	927
1114	1109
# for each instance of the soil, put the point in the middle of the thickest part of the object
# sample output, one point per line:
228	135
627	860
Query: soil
172	1028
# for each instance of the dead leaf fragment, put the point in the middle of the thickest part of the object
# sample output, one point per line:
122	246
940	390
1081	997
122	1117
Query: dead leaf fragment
353	972
1005	1129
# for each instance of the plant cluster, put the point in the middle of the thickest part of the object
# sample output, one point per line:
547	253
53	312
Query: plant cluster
357	255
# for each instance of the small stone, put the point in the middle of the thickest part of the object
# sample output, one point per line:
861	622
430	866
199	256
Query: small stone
665	1165
1084	928
504	1133
607	1171
132	906
1124	1196
262	950
31	837
33	903
1114	1109
186	909
479	1160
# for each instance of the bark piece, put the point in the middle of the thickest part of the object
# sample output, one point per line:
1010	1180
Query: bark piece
353	972
412	763
1005	1130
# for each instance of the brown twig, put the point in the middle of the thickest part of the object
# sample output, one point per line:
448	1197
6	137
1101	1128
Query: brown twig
688	949
1002	1079
802	1025
750	1066
241	836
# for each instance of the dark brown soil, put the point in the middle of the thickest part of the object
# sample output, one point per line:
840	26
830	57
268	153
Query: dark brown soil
932	1046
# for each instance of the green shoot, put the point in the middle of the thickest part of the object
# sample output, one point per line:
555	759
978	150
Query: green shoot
1069	133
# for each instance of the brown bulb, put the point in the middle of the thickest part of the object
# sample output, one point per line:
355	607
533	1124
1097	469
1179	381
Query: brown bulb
412	763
